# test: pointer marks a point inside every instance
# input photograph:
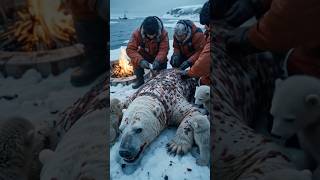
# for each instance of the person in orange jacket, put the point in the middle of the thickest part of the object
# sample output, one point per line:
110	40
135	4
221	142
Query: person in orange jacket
148	44
202	67
286	27
90	22
188	42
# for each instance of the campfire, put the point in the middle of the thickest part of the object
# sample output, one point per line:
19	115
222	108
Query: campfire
42	25
122	68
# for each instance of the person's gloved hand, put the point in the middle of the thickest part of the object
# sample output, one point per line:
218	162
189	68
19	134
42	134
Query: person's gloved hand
183	74
238	44
174	61
185	64
156	65
240	12
144	64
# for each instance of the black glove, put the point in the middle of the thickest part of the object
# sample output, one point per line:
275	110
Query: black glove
240	12
185	64
144	64
184	74
156	65
175	60
238	44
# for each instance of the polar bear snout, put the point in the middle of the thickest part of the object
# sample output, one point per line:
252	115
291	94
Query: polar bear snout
126	153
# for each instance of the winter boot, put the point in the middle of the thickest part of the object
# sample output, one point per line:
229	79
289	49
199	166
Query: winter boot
139	72
92	34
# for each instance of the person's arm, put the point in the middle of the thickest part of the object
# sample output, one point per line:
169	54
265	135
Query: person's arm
198	42
176	48
163	48
132	49
282	27
202	65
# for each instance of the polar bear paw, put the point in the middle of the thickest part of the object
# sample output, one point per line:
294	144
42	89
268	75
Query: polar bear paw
178	147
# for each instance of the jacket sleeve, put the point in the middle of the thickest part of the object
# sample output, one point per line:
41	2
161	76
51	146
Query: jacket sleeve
132	49
202	66
281	28
176	48
198	43
163	48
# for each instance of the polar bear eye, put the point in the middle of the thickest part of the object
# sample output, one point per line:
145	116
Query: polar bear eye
138	130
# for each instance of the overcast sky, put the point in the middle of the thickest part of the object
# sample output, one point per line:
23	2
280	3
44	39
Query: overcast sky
148	7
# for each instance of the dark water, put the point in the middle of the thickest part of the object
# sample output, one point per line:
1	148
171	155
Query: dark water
122	30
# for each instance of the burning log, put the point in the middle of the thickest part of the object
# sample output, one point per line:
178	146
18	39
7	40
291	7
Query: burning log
122	68
38	29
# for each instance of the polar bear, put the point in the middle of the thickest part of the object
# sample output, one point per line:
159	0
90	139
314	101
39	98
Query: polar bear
161	102
202	96
81	153
16	153
201	129
296	110
115	118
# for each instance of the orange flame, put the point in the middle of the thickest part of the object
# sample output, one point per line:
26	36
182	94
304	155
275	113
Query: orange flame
123	68
43	25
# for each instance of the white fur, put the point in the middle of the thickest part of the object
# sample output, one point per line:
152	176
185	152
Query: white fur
202	96
201	130
81	153
296	110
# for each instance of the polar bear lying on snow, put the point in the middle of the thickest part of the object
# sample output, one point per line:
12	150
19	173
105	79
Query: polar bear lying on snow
159	103
82	152
296	110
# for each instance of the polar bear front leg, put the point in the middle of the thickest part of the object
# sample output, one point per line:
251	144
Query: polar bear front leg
183	140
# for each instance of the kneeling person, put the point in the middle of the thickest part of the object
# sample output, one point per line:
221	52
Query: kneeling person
188	42
148	44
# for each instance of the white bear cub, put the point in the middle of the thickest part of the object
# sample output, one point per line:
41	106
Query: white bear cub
202	96
296	110
201	129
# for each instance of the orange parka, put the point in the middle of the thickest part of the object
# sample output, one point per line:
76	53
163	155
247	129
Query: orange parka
291	24
202	67
192	46
141	47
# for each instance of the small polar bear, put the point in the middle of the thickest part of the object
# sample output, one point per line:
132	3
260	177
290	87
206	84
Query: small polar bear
16	149
288	174
201	129
115	118
296	111
202	96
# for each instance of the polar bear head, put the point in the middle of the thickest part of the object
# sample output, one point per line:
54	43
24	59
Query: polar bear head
288	174
200	123
295	105
202	95
140	125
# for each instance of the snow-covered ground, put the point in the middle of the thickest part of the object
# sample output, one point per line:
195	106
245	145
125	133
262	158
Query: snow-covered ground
36	98
155	163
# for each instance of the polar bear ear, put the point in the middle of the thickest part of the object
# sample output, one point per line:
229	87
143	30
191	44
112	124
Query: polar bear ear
278	82
307	172
312	99
45	156
157	111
